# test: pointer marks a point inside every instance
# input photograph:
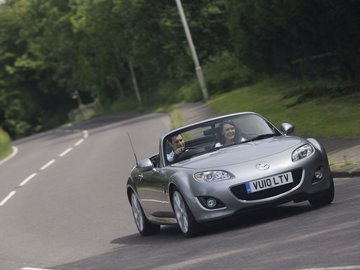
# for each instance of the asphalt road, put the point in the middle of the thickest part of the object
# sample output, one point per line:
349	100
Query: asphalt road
63	206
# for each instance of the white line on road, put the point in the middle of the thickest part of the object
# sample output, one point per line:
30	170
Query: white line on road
26	180
47	164
32	268
23	183
8	197
79	142
65	152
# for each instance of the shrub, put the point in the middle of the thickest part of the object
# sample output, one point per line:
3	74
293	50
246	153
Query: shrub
166	93
190	92
5	144
224	73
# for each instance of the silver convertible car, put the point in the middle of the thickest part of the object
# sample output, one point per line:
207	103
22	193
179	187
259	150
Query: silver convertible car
220	167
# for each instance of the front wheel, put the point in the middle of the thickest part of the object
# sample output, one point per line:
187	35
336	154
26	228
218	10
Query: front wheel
188	225
325	197
144	226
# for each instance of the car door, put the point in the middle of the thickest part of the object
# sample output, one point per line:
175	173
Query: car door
153	192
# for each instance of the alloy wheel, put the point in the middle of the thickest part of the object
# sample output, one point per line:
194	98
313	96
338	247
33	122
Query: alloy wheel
181	212
137	212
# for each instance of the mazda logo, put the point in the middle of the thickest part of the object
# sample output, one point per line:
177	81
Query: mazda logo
262	166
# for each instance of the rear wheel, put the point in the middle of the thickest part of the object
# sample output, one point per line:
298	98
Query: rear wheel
188	225
325	197
144	226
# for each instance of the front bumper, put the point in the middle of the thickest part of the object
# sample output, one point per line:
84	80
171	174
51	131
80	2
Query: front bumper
234	198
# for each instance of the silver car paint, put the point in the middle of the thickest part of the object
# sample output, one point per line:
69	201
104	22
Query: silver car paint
153	187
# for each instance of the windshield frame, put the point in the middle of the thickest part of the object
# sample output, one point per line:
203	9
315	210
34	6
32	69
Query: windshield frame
210	128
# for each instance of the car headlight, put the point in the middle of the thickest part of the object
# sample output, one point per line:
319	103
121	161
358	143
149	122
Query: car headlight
212	176
302	152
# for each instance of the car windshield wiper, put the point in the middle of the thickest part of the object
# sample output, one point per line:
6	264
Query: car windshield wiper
260	137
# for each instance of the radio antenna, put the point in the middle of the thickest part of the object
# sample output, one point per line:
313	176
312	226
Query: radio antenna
132	147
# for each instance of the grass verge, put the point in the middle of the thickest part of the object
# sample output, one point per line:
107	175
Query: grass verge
279	101
5	144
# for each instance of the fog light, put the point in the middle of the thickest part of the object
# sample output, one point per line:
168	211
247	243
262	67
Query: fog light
319	174
211	202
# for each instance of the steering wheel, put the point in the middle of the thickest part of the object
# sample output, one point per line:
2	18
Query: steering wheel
188	152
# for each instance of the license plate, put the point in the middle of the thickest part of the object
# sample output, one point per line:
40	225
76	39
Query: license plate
269	182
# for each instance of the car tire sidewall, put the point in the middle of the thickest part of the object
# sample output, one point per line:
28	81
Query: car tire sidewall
146	227
193	227
325	197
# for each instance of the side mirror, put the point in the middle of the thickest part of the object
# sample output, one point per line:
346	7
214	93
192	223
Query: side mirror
145	165
287	128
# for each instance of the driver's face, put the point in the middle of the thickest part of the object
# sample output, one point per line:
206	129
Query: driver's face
178	144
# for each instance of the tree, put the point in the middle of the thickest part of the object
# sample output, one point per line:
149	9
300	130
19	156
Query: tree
314	37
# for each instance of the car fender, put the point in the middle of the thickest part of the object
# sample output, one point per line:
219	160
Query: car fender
130	188
316	144
321	149
181	181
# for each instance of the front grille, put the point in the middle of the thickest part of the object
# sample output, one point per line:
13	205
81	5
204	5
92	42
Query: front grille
240	190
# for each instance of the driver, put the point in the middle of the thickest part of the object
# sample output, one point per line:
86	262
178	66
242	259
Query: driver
177	144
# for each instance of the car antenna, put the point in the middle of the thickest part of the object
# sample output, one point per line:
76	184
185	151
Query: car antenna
132	147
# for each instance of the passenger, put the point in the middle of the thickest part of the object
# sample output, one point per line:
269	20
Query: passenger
177	144
228	134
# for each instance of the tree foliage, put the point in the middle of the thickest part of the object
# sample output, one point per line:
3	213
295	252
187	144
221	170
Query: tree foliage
317	37
51	49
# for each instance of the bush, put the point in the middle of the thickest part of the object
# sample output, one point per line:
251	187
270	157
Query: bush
5	144
224	73
166	93
190	92
119	105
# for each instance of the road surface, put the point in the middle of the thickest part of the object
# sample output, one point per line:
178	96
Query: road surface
63	205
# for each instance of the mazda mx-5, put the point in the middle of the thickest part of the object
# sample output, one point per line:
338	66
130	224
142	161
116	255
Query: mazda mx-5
219	167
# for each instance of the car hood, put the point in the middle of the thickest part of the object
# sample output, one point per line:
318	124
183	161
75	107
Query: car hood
244	152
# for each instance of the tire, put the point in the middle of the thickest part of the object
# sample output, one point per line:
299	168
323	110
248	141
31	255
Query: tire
187	224
145	227
325	197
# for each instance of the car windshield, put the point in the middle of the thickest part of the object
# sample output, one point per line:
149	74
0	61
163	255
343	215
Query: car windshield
216	134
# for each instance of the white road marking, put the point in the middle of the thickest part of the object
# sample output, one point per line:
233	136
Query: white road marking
79	142
32	268
23	183
8	197
14	152
26	180
65	152
47	164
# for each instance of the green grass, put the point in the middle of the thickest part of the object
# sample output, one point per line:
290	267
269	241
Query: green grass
5	144
278	101
177	119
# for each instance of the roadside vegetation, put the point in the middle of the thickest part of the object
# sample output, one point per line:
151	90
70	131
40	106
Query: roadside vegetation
295	61
306	104
5	144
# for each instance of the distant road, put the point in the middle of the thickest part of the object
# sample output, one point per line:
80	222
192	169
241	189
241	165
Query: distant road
68	210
